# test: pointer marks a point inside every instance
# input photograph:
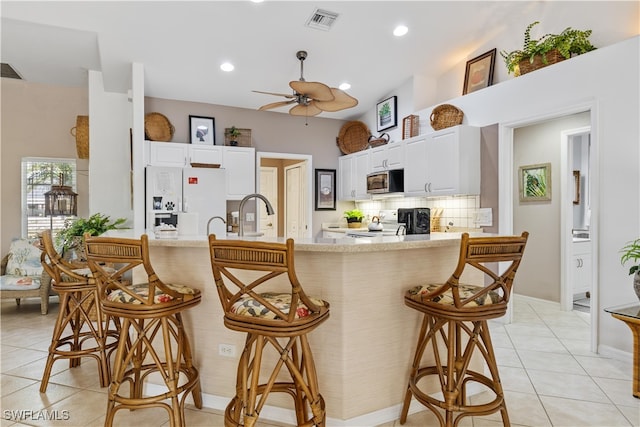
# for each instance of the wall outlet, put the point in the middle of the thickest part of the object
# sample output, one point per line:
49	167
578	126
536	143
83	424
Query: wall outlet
227	350
250	216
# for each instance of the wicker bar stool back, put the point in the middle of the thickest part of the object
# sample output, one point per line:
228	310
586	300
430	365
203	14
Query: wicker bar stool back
80	329
281	318
454	329
153	341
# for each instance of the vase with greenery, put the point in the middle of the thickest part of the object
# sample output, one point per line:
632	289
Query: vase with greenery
631	252
70	237
354	218
568	43
233	134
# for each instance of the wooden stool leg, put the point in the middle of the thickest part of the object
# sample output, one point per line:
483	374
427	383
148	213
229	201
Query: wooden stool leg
422	343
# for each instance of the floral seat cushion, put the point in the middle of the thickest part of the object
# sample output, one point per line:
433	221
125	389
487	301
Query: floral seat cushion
420	294
19	283
142	290
249	306
24	258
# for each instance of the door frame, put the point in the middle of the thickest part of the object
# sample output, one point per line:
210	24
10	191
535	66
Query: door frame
301	185
506	199
308	159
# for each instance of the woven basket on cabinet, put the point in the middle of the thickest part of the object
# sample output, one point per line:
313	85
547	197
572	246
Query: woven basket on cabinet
445	115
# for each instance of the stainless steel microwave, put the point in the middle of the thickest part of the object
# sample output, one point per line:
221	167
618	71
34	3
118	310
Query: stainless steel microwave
390	181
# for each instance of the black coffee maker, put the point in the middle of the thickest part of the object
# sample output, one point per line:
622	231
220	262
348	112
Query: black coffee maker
417	220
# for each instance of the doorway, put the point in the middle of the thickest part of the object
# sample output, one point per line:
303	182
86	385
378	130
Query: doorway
293	187
552	229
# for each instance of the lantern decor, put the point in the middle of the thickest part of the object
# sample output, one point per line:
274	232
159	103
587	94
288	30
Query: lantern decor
60	200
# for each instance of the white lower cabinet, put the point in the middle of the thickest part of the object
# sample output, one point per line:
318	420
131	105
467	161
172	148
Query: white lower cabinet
443	163
581	265
352	176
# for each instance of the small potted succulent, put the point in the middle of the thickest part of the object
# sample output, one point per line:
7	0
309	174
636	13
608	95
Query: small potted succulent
631	252
233	133
550	48
354	218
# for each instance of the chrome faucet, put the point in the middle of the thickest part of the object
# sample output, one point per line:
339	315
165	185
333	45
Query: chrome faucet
270	210
211	219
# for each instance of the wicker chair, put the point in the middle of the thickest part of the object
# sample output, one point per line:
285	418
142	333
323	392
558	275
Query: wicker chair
147	311
80	329
14	292
455	317
281	319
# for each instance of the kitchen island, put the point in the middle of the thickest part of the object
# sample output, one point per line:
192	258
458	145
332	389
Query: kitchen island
362	352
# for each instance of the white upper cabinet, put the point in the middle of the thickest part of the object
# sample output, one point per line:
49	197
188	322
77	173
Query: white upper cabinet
210	154
176	154
240	164
387	157
443	163
352	176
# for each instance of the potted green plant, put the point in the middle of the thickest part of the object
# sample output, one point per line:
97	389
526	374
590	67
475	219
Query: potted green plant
385	113
354	218
631	252
233	134
548	49
70	237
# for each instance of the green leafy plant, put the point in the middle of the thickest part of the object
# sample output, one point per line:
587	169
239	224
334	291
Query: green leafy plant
95	225
385	109
631	252
354	215
568	42
234	132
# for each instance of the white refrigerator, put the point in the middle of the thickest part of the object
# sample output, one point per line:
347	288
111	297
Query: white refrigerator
186	198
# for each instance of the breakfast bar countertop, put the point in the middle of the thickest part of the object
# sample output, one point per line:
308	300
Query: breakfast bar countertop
318	244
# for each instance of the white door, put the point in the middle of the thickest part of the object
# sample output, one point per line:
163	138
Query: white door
269	189
295	196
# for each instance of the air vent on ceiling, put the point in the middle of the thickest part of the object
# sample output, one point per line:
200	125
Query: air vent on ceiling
322	19
8	71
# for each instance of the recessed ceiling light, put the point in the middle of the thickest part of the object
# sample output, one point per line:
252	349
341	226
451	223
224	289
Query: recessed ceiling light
344	86
227	66
400	30
257	1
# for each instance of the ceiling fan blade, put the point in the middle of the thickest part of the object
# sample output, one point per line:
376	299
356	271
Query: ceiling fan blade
316	90
305	110
342	101
286	95
275	105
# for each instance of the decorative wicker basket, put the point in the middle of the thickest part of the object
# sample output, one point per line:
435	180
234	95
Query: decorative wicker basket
81	132
553	56
445	115
381	140
354	136
157	127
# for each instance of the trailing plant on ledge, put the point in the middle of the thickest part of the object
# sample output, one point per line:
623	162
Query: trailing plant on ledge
569	42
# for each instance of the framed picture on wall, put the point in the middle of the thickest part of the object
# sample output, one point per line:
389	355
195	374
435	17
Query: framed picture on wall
325	189
387	113
202	130
479	72
535	182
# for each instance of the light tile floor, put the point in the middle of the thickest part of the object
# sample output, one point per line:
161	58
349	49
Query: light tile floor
549	374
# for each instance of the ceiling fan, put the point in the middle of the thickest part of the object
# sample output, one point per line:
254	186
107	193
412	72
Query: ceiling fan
311	98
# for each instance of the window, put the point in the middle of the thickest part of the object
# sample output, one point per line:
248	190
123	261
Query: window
38	175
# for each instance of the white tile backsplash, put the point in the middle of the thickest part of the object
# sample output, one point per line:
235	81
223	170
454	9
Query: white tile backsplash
458	210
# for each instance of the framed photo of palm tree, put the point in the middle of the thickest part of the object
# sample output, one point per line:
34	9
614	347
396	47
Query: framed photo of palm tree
535	183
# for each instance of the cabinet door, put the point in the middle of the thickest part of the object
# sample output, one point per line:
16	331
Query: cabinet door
345	173
581	267
360	175
386	157
211	154
240	164
442	163
168	154
415	168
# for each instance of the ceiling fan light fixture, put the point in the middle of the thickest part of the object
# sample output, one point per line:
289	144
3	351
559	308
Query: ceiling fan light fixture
344	86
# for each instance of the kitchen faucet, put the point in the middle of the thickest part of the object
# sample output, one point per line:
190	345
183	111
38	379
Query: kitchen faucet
270	210
212	218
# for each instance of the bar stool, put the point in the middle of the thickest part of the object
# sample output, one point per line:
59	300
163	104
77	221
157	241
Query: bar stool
81	329
455	317
147	311
281	319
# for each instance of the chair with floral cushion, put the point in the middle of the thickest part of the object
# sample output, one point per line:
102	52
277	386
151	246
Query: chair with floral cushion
455	329
81	330
148	310
281	318
22	275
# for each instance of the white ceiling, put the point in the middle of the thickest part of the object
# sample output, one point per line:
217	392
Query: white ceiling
182	44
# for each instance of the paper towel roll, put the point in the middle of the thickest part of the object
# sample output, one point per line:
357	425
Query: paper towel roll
187	223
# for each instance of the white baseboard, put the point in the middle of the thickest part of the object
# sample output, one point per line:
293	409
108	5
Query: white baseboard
615	353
